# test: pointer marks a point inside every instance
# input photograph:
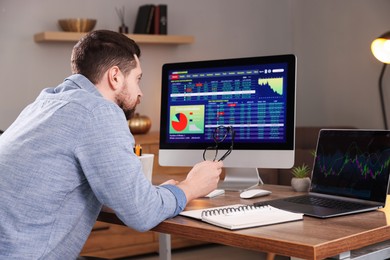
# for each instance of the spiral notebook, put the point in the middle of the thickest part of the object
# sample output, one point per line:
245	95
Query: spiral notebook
243	216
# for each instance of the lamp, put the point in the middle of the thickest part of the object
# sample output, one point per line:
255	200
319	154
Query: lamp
380	47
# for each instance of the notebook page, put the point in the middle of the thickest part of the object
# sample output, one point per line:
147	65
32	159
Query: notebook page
266	215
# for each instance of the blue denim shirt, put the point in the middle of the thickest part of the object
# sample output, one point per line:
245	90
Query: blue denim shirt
66	155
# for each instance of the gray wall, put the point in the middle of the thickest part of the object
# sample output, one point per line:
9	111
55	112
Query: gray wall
337	74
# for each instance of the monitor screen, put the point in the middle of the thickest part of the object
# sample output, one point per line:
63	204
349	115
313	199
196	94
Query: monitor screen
255	96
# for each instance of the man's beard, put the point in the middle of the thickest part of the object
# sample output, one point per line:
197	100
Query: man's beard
121	100
128	113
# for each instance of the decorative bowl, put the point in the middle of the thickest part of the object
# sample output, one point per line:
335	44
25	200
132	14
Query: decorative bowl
77	24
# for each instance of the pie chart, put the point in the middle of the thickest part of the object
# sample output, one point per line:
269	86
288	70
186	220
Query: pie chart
179	122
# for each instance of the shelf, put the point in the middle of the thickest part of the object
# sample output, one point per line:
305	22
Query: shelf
139	38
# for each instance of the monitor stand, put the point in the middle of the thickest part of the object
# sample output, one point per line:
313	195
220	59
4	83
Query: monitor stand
240	179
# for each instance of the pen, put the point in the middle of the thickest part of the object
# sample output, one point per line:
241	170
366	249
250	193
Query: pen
138	150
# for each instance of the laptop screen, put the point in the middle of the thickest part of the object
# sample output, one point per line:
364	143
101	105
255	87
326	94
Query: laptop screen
352	163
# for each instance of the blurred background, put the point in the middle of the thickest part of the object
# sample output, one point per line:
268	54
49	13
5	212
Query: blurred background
337	80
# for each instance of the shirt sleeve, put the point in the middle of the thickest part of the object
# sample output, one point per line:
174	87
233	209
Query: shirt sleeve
179	195
114	172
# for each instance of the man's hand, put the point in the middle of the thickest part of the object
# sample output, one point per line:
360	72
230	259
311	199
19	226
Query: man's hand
201	180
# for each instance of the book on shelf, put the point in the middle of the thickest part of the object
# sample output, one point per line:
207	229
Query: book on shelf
161	19
144	20
151	19
243	216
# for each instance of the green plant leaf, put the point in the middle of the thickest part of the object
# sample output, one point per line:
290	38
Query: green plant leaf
302	171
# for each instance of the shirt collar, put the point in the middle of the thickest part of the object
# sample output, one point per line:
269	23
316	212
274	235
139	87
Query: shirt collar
83	83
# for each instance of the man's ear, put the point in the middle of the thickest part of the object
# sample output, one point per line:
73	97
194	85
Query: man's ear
115	78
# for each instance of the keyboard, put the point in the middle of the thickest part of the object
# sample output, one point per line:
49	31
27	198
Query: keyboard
326	202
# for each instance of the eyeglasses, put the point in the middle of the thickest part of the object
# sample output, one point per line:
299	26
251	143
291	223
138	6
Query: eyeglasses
219	135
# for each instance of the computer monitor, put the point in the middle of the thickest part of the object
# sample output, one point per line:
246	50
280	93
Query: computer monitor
253	95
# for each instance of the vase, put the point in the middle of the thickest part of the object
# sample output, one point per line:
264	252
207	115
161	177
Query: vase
139	124
300	184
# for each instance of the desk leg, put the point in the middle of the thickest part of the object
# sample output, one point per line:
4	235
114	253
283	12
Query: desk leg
346	256
164	246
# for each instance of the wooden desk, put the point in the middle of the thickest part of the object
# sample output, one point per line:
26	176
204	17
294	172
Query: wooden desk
311	238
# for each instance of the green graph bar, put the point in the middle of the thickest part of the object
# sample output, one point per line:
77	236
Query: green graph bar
275	83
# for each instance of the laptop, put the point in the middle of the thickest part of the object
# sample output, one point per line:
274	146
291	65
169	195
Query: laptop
350	175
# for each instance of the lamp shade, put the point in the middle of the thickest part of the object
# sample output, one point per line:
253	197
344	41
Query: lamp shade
380	47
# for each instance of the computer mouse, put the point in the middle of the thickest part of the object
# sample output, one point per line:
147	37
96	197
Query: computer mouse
215	193
254	193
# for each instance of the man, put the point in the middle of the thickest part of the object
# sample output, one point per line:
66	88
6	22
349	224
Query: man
70	152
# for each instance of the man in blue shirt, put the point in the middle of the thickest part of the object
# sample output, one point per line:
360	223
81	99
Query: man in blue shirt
71	151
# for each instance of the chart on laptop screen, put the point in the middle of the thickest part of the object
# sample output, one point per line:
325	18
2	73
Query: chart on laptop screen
355	163
250	98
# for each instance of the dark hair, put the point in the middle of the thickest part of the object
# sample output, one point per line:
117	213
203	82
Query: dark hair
99	50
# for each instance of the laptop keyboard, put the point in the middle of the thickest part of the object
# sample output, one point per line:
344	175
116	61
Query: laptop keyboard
326	202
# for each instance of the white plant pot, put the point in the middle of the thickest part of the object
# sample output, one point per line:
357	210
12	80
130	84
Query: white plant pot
300	184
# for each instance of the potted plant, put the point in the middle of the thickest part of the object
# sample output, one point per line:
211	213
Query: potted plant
301	179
